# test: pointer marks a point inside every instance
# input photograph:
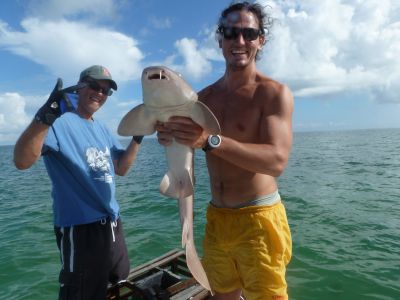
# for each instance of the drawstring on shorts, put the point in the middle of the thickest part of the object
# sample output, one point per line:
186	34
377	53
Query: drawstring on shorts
113	225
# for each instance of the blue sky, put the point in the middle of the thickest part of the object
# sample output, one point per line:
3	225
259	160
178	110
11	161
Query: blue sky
340	58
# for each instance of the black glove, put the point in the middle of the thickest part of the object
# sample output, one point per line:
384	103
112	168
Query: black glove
138	138
51	110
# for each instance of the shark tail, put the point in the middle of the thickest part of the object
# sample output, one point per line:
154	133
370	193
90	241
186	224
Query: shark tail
195	266
177	188
185	233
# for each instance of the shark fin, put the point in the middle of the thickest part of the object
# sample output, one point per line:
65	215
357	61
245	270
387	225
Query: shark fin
203	116
195	266
137	122
185	232
177	188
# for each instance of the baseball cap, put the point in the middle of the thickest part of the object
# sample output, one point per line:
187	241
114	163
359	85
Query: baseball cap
98	72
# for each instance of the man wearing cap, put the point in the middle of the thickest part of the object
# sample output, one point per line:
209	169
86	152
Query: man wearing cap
82	158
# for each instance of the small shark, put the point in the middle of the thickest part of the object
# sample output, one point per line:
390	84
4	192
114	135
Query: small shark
166	94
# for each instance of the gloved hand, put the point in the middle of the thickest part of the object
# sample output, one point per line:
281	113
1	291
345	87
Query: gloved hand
138	138
51	110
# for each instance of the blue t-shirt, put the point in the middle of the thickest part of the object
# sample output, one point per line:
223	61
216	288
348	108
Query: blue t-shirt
78	155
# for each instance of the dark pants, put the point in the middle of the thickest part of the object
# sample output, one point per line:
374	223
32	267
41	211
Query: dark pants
92	256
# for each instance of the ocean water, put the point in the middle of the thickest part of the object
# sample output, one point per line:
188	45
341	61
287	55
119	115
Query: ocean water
341	191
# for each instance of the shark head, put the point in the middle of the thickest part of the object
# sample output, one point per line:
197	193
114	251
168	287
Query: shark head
163	87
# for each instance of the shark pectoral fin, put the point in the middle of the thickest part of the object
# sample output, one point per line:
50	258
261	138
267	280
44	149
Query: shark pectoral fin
203	116
168	189
195	266
137	122
175	187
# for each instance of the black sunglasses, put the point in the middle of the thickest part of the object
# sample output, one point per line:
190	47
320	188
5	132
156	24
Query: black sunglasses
232	33
95	86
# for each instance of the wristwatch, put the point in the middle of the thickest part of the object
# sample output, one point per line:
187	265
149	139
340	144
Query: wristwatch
213	141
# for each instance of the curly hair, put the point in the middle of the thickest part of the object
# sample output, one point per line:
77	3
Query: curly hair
264	20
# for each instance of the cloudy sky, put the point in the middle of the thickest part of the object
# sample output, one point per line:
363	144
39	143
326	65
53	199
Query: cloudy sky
341	58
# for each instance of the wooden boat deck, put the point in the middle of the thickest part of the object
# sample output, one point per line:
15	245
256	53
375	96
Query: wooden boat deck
166	277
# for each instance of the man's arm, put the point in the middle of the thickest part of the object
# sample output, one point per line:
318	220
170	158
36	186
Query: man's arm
29	145
272	154
269	158
28	148
122	165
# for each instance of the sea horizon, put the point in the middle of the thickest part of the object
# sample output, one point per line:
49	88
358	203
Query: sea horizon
330	130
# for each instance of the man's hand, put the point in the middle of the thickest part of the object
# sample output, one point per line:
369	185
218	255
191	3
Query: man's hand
184	130
164	135
53	109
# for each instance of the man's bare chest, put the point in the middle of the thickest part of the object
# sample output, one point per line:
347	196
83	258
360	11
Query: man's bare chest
238	118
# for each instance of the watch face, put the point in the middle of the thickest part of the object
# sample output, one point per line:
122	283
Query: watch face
214	140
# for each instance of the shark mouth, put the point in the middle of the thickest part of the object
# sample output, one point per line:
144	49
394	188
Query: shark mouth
157	75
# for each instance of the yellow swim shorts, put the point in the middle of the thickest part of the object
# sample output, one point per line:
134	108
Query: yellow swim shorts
248	248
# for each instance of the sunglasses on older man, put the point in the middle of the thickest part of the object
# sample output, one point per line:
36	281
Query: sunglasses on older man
232	33
95	86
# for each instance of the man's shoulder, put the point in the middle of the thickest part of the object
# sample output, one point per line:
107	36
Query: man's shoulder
273	95
265	81
208	91
267	86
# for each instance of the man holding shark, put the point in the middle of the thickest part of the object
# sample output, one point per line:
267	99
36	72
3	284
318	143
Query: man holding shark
247	245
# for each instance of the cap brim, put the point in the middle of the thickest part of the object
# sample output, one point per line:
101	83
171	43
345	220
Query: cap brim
112	82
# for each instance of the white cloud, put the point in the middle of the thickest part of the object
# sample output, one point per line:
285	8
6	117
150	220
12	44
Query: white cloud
209	45
194	59
330	47
13	117
65	46
195	64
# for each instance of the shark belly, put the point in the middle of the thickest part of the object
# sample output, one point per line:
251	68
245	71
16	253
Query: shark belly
178	182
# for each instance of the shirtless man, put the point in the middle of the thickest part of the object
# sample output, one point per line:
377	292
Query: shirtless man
247	245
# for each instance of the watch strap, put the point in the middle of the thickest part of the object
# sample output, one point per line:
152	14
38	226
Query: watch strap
207	147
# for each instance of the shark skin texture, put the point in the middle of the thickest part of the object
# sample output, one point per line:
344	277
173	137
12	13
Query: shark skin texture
166	94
